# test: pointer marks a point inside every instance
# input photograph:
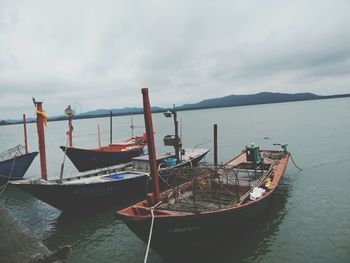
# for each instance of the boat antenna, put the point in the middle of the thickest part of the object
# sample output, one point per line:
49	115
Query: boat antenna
154	197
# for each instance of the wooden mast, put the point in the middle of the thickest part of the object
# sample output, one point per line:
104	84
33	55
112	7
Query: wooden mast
151	146
215	145
25	133
110	127
40	120
69	112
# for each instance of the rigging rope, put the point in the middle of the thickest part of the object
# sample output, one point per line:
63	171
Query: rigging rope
150	231
291	157
64	158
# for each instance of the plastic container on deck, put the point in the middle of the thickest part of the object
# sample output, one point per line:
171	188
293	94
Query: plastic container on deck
169	162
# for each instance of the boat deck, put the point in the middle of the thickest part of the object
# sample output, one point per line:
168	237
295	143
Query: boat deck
212	188
117	176
205	200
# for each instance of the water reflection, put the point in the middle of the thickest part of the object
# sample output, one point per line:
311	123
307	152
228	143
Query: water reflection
37	216
95	235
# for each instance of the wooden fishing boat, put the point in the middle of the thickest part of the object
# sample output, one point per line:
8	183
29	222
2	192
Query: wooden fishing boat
210	205
14	163
110	155
113	185
103	156
118	186
91	190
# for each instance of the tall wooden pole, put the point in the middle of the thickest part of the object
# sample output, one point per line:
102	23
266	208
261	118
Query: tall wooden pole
70	131
25	133
150	144
41	136
69	113
178	143
110	127
215	145
98	136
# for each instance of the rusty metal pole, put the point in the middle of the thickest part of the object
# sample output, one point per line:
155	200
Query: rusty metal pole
215	145
25	133
150	144
41	136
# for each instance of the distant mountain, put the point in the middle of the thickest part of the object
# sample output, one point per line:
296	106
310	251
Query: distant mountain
227	101
127	110
259	98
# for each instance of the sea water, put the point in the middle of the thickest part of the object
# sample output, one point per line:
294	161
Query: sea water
307	219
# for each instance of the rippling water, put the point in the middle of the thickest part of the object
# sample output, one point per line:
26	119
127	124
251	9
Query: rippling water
307	219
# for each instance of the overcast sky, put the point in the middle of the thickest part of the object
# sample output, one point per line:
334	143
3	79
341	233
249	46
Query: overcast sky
99	54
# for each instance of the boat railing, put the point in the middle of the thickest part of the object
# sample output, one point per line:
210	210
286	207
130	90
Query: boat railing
13	152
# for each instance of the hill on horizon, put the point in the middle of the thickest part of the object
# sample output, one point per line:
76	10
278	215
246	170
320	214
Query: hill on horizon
226	101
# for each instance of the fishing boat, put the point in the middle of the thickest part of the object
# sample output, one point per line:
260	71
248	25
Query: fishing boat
15	161
117	185
91	190
103	156
210	205
109	155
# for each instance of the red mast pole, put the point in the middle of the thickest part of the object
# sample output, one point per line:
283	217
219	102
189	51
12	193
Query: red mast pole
70	131
68	111
150	144
41	135
25	133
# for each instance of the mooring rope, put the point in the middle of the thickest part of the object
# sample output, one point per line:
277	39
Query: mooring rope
150	231
195	147
64	158
291	157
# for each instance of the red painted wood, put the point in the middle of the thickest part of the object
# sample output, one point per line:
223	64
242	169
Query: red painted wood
25	133
41	136
150	144
70	131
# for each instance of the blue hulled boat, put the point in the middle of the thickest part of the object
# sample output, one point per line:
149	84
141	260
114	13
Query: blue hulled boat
14	163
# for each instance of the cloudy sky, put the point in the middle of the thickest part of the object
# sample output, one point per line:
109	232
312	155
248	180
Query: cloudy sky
99	54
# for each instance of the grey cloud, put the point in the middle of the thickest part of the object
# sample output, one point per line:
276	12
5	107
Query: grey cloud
102	54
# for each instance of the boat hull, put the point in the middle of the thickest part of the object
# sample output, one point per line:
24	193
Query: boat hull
78	197
85	159
194	233
15	168
180	229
